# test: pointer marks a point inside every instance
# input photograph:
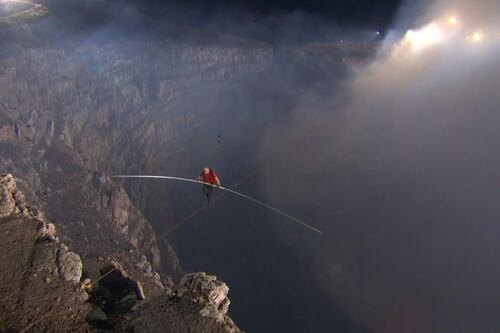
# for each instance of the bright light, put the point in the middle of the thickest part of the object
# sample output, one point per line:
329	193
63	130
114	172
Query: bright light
424	37
475	37
453	20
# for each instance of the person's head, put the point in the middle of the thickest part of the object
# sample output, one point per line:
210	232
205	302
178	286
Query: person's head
206	170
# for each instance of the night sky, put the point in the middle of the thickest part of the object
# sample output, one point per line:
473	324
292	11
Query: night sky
261	18
346	11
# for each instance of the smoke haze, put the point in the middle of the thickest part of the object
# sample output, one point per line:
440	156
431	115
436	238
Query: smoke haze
400	167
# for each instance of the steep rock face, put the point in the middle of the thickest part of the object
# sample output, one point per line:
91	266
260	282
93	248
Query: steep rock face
123	99
125	105
95	216
110	106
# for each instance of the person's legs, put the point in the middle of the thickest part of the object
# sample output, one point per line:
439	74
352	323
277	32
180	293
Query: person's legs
209	193
207	190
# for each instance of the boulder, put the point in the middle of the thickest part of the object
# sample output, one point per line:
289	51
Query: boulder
69	265
207	291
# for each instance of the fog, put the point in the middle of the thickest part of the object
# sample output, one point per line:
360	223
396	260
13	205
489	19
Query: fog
399	167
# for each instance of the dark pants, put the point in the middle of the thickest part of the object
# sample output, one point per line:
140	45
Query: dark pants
207	190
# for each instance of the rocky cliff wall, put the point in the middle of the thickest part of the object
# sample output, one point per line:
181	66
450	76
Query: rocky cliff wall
112	106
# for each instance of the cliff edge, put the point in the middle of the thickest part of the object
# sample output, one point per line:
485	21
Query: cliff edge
45	286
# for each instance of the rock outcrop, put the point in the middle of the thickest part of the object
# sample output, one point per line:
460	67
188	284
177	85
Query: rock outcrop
8	204
39	276
208	291
200	304
69	265
42	287
12	200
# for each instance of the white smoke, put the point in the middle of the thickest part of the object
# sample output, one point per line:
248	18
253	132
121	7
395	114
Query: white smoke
401	169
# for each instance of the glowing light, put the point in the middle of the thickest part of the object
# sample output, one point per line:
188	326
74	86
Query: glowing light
453	20
427	36
476	37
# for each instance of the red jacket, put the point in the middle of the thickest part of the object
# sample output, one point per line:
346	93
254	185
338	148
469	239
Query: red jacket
210	177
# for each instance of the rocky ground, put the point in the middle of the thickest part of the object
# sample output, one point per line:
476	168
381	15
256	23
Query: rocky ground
46	287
